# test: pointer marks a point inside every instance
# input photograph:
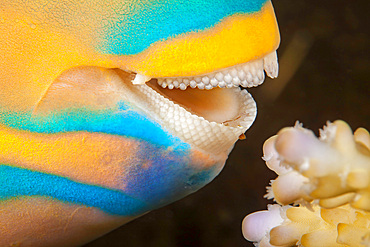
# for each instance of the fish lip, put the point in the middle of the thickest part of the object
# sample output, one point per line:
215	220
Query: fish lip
107	87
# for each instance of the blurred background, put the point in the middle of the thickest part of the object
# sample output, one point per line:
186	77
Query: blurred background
324	75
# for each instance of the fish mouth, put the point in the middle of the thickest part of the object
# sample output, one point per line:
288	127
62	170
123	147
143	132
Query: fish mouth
211	111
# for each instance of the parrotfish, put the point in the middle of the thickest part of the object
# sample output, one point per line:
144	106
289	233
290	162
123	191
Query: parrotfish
106	110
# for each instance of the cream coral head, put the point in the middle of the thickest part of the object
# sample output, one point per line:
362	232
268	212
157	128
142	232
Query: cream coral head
327	177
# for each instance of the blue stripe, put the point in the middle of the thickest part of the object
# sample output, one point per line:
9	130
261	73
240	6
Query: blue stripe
154	21
126	122
17	182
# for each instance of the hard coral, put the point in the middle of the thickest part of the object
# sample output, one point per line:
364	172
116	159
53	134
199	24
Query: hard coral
328	177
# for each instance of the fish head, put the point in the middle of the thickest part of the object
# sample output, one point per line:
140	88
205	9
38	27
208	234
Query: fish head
108	111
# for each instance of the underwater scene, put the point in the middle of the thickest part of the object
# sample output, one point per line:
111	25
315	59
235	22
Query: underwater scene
184	123
324	76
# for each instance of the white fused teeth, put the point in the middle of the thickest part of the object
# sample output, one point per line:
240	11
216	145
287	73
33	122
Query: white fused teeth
140	79
271	65
249	74
209	136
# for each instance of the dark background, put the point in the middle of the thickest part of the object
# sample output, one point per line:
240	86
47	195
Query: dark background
324	64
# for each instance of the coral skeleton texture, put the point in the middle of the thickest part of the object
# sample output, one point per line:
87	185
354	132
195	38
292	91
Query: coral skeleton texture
328	181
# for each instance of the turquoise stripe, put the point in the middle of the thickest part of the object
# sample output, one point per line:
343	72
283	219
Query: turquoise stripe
17	182
125	122
153	21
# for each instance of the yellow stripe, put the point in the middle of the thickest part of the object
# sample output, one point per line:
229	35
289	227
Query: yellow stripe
237	39
90	158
